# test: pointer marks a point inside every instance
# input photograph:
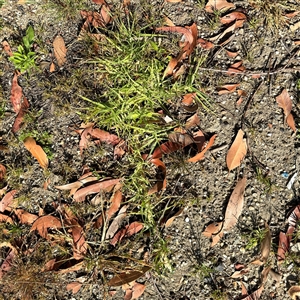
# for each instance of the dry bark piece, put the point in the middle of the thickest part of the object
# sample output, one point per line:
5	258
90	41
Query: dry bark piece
60	50
42	224
237	151
235	205
127	277
284	101
36	151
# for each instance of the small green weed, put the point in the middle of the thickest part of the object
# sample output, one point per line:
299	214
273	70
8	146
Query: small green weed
265	180
219	295
162	262
203	271
24	59
256	237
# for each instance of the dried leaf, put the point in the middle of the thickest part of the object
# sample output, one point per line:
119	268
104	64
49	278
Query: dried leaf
295	26
25	217
79	244
80	195
74	287
6	48
42	224
213	5
96	19
237	151
239	274
200	155
244	290
265	246
235	205
213	229
16	94
227	88
128	294
168	22
193	121
284	101
188	99
5	219
2	172
231	54
116	200
128	231
52	67
173	1
236	68
283	247
161	184
233	16
255	295
116	223
8	261
216	238
19	119
294	291
60	50
138	290
127	277
36	151
205	44
7	201
170	220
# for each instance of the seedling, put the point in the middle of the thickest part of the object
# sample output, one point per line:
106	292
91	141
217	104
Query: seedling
256	238
24	58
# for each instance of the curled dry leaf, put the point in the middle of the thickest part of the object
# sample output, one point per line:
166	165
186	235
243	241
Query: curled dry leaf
170	220
214	231
213	5
294	292
60	50
42	224
106	185
127	277
205	44
128	231
16	94
7	201
239	274
237	151
116	200
235	205
284	101
5	219
188	102
74	287
283	247
236	68
2	172
227	88
36	151
200	155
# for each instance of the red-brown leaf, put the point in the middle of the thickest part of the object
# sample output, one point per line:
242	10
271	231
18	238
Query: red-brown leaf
74	287
227	88
127	277
6	48
36	151
205	44
42	224
7	201
2	172
60	50
5	219
8	261
233	16
284	101
116	200
25	217
200	155
128	231
138	290
237	151
79	244
235	205
19	119
213	5
162	184
116	223
16	94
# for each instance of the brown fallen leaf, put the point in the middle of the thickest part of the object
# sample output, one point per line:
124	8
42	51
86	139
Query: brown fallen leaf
60	50
192	121
116	223
42	224
96	19
8	261
127	277
138	290
239	274
115	200
214	231
161	184
237	151
284	101
6	202
205	44
37	152
200	155
74	286
168	21
233	16
79	244
236	68
235	205
2	172
128	231
213	5
6	48
283	247
16	94
106	185
24	216
19	119
231	54
170	220
5	219
255	295
265	248
188	99
227	88
294	292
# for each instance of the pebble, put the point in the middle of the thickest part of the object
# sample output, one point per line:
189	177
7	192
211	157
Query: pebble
187	219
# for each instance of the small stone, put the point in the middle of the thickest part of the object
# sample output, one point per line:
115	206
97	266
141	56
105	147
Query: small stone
187	219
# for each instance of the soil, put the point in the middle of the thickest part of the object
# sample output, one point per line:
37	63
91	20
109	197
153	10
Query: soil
199	271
